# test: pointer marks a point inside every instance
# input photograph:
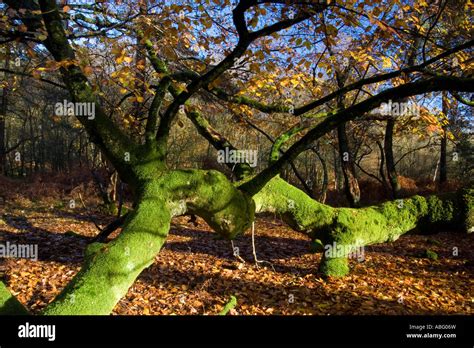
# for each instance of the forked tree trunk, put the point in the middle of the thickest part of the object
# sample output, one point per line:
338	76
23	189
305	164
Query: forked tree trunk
110	269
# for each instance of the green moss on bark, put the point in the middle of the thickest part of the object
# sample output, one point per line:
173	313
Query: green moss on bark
296	208
110	269
351	228
334	267
229	306
210	195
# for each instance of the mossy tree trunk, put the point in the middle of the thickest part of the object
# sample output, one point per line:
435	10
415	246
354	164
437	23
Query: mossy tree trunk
160	194
110	269
351	228
348	227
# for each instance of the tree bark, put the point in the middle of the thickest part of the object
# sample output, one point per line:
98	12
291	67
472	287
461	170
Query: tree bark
325	184
443	163
110	270
383	178
351	185
3	115
389	158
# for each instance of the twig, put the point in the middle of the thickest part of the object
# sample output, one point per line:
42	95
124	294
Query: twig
107	231
88	212
257	261
236	253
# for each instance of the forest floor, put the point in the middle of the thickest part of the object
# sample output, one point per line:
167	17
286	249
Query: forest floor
196	273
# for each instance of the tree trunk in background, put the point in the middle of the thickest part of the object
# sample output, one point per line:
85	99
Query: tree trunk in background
324	187
140	75
385	185
338	180
3	155
351	185
32	146
443	166
389	158
306	186
42	146
3	114
443	172
388	143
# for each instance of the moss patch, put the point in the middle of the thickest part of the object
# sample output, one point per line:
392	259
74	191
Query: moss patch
334	267
430	254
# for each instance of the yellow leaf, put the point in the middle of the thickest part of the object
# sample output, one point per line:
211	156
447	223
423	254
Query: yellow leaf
387	63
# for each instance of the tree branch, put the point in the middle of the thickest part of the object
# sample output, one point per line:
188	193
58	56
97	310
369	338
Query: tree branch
339	117
102	130
19	73
269	108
